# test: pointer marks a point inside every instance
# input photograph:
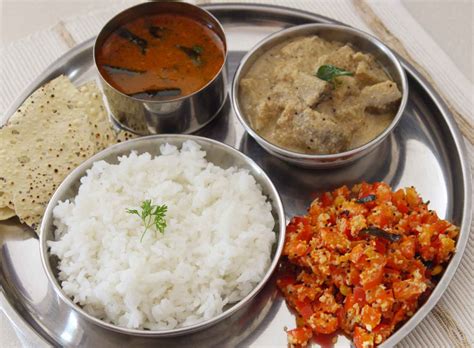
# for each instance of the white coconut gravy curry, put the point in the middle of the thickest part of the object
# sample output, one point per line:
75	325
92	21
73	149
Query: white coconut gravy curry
351	102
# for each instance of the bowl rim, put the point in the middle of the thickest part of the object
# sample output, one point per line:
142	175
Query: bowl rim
277	211
111	22
293	155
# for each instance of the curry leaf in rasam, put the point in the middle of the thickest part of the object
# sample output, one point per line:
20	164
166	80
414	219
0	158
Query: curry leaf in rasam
329	72
193	52
151	215
198	49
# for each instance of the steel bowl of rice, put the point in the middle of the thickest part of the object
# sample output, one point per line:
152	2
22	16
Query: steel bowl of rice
163	236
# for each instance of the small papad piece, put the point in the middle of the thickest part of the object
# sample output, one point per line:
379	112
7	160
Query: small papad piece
6	213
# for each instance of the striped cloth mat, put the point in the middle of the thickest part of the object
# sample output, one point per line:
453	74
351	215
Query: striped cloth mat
450	324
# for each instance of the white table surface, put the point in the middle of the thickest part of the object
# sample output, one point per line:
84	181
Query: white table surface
449	22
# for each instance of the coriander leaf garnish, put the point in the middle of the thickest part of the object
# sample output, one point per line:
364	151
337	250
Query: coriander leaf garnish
329	72
151	215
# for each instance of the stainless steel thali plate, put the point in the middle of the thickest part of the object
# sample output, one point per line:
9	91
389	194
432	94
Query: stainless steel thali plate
425	150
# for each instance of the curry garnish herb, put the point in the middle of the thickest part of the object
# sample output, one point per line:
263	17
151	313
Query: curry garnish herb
366	199
128	35
193	52
198	49
377	232
329	72
151	215
156	32
112	69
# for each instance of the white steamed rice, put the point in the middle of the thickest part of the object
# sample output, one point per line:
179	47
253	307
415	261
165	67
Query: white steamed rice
214	251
